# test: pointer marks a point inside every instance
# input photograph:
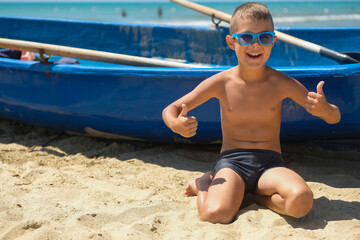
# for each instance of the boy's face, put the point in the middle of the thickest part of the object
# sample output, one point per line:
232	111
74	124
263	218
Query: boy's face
256	54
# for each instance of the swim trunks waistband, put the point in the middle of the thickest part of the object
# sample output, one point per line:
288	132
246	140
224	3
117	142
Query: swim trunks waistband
236	150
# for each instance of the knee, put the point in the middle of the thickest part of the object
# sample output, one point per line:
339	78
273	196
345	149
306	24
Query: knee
216	214
300	202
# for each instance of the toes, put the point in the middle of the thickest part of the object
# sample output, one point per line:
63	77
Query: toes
190	189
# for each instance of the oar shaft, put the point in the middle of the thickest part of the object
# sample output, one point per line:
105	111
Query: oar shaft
323	51
92	55
204	10
298	42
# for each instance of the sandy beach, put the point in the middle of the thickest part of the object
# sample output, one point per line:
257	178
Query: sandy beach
59	186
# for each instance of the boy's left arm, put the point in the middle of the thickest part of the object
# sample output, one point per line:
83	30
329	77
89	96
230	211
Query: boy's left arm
317	105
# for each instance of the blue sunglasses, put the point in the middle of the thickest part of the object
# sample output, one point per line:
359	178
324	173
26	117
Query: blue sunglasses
246	39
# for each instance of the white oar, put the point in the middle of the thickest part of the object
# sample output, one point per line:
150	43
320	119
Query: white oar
92	55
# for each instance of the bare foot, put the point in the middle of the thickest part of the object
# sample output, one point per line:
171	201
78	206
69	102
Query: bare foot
193	186
191	189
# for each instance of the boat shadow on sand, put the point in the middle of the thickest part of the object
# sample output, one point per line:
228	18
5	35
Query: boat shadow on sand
316	163
179	156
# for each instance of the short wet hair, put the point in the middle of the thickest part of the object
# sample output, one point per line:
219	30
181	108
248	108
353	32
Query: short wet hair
250	11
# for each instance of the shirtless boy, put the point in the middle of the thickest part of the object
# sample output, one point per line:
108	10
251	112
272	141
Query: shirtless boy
250	97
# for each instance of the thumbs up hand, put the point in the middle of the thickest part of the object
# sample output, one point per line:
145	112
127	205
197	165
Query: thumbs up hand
316	103
185	126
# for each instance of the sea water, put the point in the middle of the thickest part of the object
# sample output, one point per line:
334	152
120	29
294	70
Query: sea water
318	13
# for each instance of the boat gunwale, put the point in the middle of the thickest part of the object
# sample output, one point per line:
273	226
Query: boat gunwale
121	70
160	25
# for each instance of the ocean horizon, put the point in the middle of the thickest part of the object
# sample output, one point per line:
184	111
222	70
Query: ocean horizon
286	13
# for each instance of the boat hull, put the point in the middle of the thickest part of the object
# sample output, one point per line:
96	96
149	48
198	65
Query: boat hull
125	102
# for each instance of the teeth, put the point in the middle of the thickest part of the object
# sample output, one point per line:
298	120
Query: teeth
254	54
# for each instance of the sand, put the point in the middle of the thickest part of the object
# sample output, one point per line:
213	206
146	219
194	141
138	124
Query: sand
59	186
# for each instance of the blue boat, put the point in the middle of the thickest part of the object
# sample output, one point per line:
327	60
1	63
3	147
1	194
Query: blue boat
126	102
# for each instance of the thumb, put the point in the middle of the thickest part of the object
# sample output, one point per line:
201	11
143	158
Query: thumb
184	110
319	88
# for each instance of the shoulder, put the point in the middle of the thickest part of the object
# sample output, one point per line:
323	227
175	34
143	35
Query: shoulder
218	79
287	85
214	86
278	76
281	78
222	76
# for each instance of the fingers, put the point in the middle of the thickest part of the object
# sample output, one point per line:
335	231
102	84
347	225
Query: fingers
311	101
310	107
312	98
189	135
192	127
189	127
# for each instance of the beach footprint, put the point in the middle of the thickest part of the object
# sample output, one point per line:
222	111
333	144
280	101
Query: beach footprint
100	236
20	230
13	213
132	216
96	220
151	228
32	175
135	214
129	216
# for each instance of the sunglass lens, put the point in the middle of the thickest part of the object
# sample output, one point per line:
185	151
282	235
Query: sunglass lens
246	39
266	38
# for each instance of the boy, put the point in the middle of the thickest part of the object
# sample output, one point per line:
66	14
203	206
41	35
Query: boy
250	97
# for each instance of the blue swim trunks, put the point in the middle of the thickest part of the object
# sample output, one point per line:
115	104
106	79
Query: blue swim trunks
250	164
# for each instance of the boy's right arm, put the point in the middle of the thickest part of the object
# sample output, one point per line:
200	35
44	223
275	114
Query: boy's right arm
175	115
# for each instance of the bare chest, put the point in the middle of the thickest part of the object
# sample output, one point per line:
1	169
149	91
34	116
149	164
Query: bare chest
251	103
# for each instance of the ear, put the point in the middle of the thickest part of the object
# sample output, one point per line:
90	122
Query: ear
230	42
275	38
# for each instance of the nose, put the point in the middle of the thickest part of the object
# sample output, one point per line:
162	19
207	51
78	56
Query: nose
256	42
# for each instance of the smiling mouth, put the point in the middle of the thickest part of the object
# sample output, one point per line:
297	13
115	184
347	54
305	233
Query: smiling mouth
254	55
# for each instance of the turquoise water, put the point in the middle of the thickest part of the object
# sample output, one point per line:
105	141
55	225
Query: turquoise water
285	13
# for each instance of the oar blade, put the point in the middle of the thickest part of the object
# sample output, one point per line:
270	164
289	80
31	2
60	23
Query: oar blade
354	55
337	56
